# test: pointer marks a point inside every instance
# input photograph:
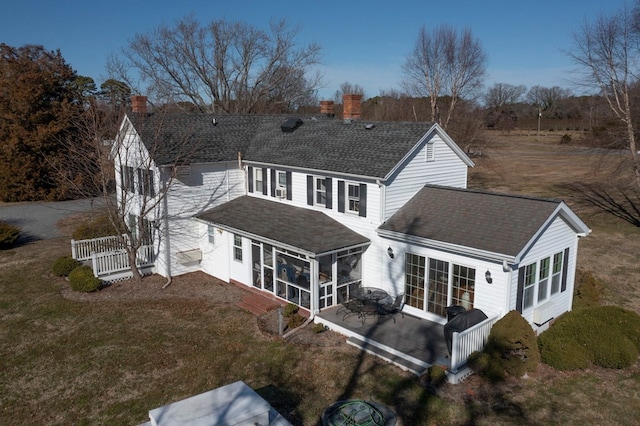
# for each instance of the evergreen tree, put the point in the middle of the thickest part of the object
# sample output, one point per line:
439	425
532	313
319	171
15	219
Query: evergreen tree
39	102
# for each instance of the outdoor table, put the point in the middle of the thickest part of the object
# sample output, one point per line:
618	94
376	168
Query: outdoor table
370	294
371	298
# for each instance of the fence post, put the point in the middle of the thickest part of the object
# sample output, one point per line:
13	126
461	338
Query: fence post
73	250
454	352
94	264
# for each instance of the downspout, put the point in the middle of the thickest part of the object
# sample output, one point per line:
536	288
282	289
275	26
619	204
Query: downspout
167	242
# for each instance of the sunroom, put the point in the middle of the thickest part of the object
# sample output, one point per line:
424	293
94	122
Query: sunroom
298	255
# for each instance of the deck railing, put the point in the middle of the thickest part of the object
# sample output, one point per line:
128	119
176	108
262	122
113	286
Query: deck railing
468	341
84	249
107	263
108	255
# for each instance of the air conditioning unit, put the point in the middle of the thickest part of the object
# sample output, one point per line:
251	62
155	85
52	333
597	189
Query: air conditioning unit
281	192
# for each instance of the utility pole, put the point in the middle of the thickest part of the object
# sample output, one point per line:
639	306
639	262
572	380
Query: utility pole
539	117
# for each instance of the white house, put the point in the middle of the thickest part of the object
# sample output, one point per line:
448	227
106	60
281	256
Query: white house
307	208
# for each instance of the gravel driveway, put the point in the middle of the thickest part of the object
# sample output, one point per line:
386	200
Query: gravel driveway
38	219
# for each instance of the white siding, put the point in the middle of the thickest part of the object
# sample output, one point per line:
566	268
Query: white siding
490	298
557	237
446	169
216	256
205	187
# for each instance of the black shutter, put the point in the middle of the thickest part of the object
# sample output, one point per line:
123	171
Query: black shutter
329	186
140	182
363	200
265	172
250	178
520	295
289	186
310	190
341	196
565	267
273	182
152	184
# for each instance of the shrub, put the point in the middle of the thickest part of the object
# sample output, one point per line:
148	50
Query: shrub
512	347
588	290
436	376
565	139
295	320
289	310
608	335
82	279
8	234
100	226
318	328
64	265
562	354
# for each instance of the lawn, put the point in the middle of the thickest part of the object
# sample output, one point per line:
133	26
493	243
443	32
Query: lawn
93	360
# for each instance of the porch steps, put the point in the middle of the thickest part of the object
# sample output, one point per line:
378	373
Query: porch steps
257	304
397	360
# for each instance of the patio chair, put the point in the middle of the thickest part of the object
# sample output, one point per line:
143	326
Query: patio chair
350	307
392	308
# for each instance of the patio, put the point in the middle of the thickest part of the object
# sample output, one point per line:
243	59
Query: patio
411	343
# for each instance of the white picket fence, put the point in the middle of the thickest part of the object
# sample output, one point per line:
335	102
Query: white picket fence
109	258
468	341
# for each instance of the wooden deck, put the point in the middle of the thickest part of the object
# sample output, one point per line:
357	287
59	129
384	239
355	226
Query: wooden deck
412	343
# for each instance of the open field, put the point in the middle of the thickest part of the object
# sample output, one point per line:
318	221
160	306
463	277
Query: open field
109	358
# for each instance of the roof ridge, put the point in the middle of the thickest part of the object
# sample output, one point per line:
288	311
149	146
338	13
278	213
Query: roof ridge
495	193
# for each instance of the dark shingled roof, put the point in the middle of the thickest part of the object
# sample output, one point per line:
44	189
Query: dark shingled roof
309	230
496	223
320	143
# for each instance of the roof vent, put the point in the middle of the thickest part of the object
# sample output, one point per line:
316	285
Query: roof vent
369	126
348	121
214	121
290	125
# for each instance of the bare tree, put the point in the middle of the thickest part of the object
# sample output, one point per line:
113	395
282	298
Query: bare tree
230	66
607	51
347	88
498	96
445	63
137	208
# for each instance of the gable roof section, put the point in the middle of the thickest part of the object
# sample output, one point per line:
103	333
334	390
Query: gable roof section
319	143
487	224
307	230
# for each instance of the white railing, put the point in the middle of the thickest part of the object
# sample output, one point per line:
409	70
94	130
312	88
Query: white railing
83	249
107	263
468	341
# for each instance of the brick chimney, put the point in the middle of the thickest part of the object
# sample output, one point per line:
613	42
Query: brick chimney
326	108
139	104
351	106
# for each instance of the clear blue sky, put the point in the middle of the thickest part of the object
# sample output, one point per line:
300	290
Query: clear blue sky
363	42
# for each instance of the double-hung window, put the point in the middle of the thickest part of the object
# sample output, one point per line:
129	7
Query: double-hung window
543	279
353	198
556	275
320	191
237	247
259	182
529	285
